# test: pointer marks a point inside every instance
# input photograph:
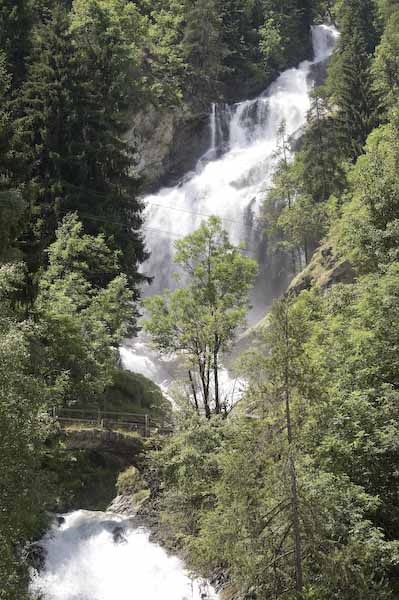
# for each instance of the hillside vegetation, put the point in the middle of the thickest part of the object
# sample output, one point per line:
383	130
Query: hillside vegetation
293	492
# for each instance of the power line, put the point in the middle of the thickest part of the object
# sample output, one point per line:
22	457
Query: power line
141	228
150	203
197	214
153	229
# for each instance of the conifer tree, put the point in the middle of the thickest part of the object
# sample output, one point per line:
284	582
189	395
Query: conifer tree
204	50
68	144
356	97
104	189
239	20
386	66
358	16
319	156
11	204
16	20
44	128
293	19
351	79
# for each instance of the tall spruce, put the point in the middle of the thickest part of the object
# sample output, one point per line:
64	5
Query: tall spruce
104	188
240	19
293	19
351	77
68	143
204	50
11	204
44	127
322	174
16	20
386	65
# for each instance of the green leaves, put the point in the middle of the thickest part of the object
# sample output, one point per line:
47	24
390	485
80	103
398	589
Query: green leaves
84	301
201	320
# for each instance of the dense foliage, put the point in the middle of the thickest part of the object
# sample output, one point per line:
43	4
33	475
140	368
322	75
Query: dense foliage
200	321
294	495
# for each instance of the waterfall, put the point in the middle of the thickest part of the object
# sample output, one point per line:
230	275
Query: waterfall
84	562
213	128
243	140
230	181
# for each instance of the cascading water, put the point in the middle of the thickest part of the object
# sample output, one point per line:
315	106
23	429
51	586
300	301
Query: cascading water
230	181
83	560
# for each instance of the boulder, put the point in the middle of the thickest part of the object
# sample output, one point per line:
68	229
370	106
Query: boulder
118	535
36	556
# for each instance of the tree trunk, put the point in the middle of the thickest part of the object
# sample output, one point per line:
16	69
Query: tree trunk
208	381
294	486
321	148
194	391
205	386
216	377
306	251
296	526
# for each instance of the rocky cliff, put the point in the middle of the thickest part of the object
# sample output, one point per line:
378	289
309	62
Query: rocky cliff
167	143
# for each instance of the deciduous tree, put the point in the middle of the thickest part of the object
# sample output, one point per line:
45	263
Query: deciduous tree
201	320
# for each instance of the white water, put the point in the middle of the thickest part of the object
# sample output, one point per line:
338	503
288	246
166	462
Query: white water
84	563
230	181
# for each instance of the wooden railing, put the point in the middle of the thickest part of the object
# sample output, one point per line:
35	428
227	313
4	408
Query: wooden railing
111	420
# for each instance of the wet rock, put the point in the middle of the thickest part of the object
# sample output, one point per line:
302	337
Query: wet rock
118	535
167	143
122	505
36	556
326	268
60	521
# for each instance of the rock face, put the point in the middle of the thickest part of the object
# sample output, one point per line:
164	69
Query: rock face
118	535
122	505
167	143
36	556
324	270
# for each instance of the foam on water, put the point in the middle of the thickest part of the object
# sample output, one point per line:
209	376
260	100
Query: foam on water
230	180
84	563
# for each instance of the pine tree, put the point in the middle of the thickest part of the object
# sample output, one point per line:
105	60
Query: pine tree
16	20
356	98
203	47
358	16
11	204
44	128
319	156
68	145
239	34
293	19
104	189
351	78
386	66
